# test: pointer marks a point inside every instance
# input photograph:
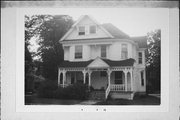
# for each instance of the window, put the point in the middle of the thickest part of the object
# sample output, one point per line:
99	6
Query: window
124	51
81	30
103	73
78	52
103	51
118	77
92	29
140	57
142	78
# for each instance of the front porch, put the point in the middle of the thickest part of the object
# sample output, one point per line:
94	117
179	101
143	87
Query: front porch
104	79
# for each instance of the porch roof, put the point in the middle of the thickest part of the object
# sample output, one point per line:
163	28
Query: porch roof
111	63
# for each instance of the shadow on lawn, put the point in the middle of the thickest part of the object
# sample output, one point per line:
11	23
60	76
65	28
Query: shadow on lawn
138	100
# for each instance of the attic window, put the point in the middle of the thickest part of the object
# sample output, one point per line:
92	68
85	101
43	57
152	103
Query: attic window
81	30
92	29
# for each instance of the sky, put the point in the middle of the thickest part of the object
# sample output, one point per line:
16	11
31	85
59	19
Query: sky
132	21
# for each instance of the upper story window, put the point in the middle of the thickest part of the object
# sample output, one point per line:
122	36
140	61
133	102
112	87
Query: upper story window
78	52
103	51
124	51
92	29
140	57
81	30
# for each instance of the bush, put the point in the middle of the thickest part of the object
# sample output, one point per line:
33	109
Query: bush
47	88
75	91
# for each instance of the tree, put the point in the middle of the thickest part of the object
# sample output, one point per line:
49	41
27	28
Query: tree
154	59
50	50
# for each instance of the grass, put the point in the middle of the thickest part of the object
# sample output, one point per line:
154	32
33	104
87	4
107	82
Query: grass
138	100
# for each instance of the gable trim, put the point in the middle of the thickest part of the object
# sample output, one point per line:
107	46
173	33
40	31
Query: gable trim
98	59
81	18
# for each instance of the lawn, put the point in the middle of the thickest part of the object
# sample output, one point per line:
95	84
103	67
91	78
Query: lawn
34	100
138	100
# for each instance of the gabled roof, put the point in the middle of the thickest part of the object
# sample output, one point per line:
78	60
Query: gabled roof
111	63
114	31
69	64
141	40
98	63
79	20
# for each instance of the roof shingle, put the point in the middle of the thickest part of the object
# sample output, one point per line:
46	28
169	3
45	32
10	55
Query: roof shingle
114	31
111	63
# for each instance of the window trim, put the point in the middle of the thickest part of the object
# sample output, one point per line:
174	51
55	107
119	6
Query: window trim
140	58
75	53
124	57
81	31
105	51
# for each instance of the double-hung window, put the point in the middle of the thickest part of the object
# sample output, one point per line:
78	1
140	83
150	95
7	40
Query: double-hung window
140	57
124	51
78	52
81	30
103	51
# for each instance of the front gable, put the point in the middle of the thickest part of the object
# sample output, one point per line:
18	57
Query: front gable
98	63
86	22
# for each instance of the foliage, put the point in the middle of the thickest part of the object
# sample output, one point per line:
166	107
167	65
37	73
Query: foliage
50	50
48	30
75	91
154	59
47	88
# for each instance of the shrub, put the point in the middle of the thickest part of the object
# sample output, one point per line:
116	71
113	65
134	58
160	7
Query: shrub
47	88
75	91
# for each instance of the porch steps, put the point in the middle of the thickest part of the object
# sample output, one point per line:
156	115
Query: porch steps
97	95
121	95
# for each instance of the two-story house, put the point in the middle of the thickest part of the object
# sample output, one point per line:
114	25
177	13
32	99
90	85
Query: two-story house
103	57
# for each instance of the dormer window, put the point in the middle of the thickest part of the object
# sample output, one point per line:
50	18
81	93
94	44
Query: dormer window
92	29
81	30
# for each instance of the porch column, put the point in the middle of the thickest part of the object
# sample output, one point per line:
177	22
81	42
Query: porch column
131	79
64	76
109	76
89	73
59	74
125	74
84	75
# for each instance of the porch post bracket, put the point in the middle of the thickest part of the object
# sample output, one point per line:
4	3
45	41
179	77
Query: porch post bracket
125	74
64	76
84	75
131	72
89	73
109	76
59	74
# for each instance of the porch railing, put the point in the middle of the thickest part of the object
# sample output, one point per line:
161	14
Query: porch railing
107	91
117	87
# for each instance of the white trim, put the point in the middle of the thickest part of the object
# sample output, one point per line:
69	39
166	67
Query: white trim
80	19
94	62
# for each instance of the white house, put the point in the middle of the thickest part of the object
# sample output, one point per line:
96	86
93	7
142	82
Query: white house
103	57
